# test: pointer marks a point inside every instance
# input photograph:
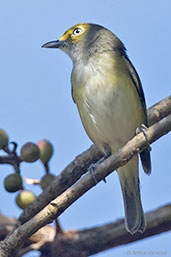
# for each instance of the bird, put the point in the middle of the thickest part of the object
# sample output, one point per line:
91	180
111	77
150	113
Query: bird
109	96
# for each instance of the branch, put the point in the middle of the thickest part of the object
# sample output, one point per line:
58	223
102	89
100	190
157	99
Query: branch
79	166
159	110
45	234
6	225
67	178
58	206
40	239
93	240
11	159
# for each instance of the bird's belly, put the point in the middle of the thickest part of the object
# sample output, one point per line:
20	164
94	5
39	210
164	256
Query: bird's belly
110	115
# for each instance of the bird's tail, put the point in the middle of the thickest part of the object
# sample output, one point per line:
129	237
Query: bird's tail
134	216
146	161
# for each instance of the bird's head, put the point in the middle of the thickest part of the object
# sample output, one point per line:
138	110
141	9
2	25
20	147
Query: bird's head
82	40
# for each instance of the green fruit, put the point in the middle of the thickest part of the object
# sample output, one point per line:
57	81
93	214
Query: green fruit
46	181
30	152
3	139
46	150
13	183
24	198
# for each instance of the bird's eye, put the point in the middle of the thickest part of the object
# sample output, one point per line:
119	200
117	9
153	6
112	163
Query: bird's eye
77	31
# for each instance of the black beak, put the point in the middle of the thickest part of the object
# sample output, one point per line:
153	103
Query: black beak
53	44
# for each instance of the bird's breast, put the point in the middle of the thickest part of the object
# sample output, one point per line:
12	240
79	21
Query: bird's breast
108	105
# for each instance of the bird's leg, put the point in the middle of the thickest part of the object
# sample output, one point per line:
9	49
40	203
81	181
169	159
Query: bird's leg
93	166
143	130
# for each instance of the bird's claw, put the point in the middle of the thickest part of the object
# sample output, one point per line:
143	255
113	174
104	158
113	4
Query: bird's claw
91	170
142	129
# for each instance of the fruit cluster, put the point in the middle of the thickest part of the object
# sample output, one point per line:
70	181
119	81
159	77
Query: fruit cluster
30	152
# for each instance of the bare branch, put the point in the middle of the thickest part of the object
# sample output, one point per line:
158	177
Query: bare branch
93	240
38	240
58	206
159	110
79	166
6	225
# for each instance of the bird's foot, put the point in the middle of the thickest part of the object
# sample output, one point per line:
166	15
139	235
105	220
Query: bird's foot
143	130
91	170
93	166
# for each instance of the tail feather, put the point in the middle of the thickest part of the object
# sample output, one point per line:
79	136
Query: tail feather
134	216
146	161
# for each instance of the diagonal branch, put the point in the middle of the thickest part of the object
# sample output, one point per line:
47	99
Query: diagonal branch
58	206
79	166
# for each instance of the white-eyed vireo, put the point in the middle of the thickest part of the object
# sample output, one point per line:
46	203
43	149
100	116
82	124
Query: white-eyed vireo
108	93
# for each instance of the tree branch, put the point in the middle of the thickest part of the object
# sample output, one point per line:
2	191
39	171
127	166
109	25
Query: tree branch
63	181
40	239
159	110
93	240
79	166
58	206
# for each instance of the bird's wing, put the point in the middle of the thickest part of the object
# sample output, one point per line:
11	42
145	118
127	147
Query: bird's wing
145	155
137	84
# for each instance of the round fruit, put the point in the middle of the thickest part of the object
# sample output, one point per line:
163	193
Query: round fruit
13	183
46	150
3	139
46	181
24	198
30	152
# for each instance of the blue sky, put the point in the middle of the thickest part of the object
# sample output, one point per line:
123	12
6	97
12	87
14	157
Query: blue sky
36	98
